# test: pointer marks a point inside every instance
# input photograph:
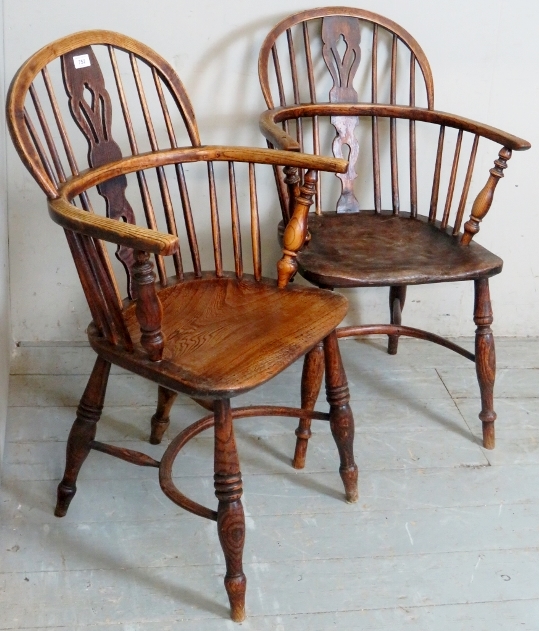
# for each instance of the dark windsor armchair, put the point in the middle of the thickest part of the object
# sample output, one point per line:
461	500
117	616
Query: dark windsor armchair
197	328
386	228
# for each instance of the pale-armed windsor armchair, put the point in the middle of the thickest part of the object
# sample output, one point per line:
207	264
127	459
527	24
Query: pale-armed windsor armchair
196	329
347	81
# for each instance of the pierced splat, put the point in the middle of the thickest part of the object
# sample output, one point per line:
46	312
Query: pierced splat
90	106
343	69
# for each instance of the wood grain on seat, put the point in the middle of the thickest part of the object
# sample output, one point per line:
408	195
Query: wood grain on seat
375	249
226	336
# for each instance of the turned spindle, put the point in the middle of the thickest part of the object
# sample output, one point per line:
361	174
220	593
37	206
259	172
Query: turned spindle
296	231
148	310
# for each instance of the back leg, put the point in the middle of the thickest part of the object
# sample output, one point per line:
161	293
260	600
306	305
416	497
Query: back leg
397	296
161	418
82	433
311	380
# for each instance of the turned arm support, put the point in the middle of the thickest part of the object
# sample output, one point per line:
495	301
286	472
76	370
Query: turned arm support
270	121
483	201
148	310
295	232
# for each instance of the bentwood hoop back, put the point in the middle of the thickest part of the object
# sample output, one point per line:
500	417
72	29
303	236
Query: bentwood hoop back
211	325
339	80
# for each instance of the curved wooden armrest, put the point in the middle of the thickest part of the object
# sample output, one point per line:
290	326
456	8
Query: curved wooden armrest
220	153
272	130
136	237
139	238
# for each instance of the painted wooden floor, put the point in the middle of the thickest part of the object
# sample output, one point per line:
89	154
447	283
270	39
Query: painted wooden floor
445	536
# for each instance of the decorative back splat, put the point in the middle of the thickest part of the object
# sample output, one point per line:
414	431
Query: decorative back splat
82	77
343	70
295	42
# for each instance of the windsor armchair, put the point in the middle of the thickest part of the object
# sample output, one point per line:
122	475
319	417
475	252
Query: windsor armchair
384	229
196	329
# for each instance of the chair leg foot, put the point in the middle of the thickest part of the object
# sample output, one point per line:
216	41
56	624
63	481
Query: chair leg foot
82	433
485	360
161	418
311	380
397	296
341	418
489	436
350	478
230	516
231	530
64	496
235	588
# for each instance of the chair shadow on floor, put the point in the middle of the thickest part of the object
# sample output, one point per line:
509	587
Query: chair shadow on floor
94	557
408	401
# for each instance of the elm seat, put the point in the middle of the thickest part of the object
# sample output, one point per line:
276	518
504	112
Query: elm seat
374	249
227	336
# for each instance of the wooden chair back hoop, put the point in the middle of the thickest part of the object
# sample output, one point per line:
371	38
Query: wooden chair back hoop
21	85
268	49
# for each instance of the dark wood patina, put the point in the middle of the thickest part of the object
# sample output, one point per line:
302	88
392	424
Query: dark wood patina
394	237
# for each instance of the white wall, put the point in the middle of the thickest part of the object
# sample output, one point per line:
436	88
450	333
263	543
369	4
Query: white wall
484	58
5	335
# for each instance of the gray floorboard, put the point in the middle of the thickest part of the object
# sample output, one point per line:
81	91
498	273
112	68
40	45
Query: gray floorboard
445	536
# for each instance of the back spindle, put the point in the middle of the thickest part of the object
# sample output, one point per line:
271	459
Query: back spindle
189	223
466	187
412	142
315	119
309	62
436	179
255	224
295	84
236	234
40	149
163	187
393	132
452	179
215	227
53	152
375	132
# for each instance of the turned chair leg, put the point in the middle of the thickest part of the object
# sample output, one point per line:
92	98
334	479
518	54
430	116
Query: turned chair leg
311	380
161	418
397	296
341	419
82	433
230	517
485	359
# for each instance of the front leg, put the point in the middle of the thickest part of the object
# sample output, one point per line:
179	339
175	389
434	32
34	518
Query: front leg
485	359
341	418
230	517
82	433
